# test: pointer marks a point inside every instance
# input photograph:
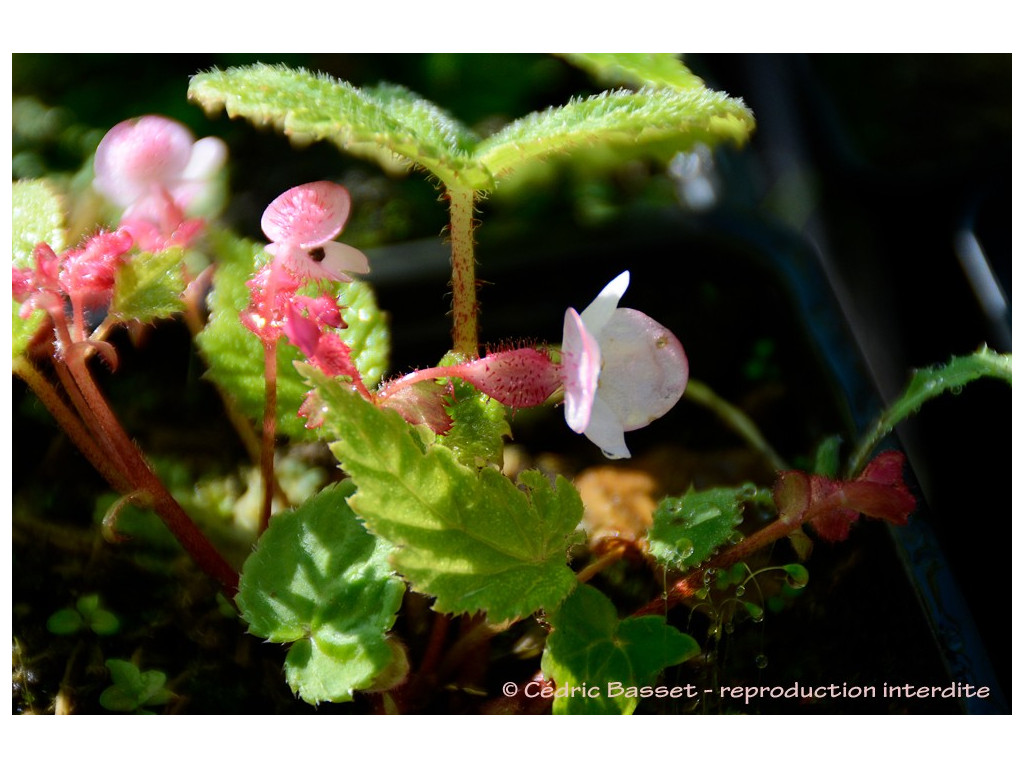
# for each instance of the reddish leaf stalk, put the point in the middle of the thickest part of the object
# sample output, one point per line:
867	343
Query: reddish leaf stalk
143	478
243	427
878	492
689	584
435	645
71	424
269	432
97	432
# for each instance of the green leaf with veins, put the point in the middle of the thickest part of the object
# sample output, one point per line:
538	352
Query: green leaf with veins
479	424
38	217
382	123
589	645
235	356
689	529
473	539
319	581
662	119
149	286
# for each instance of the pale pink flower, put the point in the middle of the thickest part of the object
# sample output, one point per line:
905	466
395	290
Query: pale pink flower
139	157
301	225
153	168
621	370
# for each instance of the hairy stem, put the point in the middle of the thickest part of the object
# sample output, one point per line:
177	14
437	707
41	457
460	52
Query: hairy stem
70	423
464	303
269	432
243	427
141	477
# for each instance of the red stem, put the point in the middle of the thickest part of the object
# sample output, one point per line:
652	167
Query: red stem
141	476
70	422
269	432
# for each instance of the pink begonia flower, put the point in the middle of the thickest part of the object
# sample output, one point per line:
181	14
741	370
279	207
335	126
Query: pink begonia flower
153	168
301	225
138	156
621	370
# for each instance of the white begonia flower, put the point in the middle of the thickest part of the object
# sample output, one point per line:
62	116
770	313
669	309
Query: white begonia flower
621	370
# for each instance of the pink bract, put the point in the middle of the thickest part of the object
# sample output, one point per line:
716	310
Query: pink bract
621	370
91	269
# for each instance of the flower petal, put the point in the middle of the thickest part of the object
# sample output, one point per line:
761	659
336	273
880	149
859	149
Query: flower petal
600	310
308	215
137	155
208	156
605	430
340	258
645	369
581	366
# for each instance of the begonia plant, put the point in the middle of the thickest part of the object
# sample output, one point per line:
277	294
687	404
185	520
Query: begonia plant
420	524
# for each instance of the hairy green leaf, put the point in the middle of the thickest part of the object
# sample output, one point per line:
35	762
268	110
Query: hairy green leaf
38	217
479	427
689	529
589	646
663	119
672	112
929	383
149	286
636	69
319	581
471	538
479	424
235	355
379	123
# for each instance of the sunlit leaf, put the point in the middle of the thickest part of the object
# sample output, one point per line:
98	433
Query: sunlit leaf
665	120
149	286
383	123
473	539
38	217
319	581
